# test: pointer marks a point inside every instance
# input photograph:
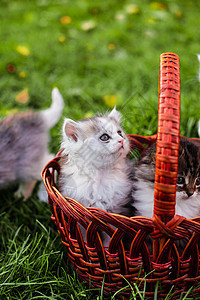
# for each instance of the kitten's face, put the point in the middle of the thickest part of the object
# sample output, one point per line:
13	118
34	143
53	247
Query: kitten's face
188	178
99	140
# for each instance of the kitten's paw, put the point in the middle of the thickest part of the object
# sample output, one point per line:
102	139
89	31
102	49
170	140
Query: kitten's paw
25	190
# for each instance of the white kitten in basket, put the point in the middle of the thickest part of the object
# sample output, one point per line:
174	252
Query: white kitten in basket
95	169
24	145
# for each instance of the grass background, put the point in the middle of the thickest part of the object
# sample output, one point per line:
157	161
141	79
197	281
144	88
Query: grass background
98	53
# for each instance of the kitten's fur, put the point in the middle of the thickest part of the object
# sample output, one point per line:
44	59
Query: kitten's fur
188	181
95	171
24	145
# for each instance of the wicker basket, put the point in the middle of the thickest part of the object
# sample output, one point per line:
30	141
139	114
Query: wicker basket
114	266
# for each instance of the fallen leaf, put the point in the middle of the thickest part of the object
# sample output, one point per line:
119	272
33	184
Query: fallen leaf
178	14
62	39
23	96
132	9
111	47
23	50
110	100
65	20
22	74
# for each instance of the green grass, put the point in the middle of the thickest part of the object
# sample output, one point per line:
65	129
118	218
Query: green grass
118	55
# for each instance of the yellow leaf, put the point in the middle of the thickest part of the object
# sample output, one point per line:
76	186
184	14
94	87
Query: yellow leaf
62	39
111	47
22	74
178	14
65	20
110	100
23	50
132	9
23	96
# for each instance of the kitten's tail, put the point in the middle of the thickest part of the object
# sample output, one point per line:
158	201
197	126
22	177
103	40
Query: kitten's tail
53	113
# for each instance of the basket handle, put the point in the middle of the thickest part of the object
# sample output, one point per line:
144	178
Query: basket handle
167	137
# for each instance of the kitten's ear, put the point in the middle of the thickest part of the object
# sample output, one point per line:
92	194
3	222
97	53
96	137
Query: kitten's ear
114	114
70	129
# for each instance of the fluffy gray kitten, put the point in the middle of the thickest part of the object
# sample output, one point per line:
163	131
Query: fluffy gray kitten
24	145
95	169
188	181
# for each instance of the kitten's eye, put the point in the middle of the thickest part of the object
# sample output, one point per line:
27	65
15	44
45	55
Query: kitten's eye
180	180
105	137
197	181
120	133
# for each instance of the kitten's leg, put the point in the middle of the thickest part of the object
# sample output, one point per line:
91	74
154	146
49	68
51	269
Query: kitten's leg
36	173
25	189
42	193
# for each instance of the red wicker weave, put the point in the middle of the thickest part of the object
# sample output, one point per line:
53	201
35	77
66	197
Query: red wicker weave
114	266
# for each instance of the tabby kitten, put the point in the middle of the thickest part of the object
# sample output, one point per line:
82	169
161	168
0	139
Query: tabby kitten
188	181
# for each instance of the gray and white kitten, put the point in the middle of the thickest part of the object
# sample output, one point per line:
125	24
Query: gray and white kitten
188	181
24	146
95	169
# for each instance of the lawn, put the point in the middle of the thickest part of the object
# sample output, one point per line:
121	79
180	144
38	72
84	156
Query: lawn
99	54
